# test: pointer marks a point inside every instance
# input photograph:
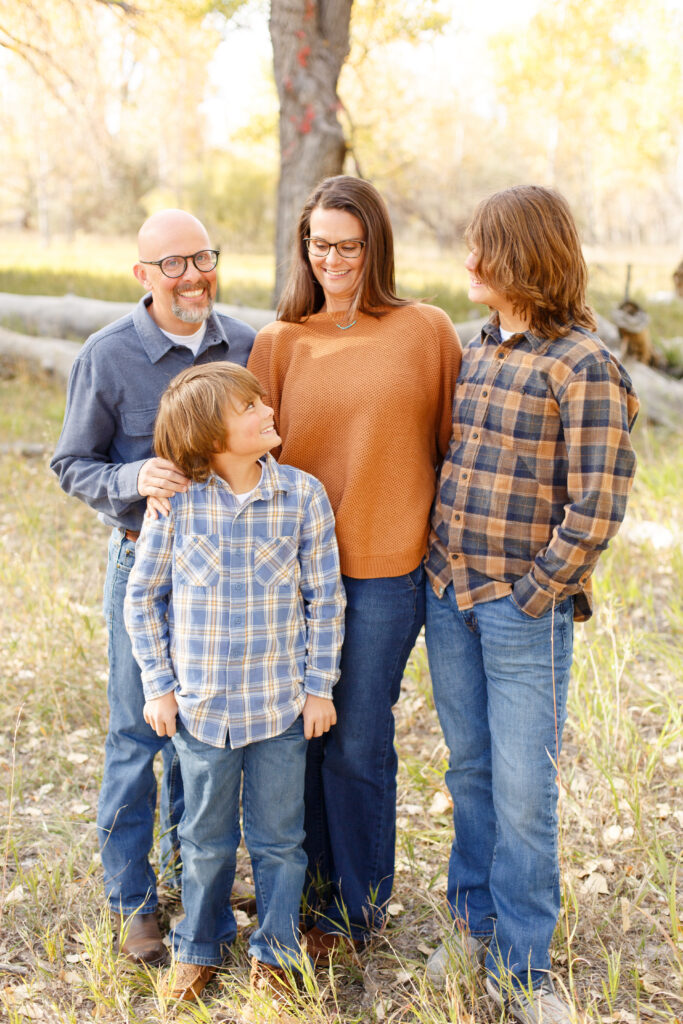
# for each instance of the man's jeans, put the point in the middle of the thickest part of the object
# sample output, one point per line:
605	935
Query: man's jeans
351	771
500	689
273	809
125	815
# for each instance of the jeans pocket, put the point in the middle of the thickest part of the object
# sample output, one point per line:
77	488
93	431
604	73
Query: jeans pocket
196	559
417	576
125	559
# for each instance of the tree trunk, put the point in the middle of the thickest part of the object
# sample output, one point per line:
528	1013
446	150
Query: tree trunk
310	44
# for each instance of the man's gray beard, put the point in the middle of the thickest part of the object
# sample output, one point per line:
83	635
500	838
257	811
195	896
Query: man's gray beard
192	316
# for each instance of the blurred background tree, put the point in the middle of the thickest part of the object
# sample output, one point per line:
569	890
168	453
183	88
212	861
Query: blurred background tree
111	109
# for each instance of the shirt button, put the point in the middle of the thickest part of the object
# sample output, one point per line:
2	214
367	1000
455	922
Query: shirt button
501	355
457	516
475	435
484	394
464	476
237	620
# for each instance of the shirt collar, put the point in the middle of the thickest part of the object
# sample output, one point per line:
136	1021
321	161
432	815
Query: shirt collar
492	329
155	342
272	479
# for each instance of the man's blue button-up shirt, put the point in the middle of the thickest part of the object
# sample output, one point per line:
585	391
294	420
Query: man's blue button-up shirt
114	390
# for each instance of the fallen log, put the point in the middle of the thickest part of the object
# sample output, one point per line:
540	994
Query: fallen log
53	355
69	316
661	396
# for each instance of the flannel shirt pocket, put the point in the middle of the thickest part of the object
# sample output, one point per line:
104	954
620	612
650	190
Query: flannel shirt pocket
197	559
275	561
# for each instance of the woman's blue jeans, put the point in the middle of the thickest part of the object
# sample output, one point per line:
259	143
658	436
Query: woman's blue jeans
351	771
127	802
273	809
500	688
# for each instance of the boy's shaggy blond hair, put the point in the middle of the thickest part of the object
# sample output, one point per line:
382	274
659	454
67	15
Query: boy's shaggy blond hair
190	424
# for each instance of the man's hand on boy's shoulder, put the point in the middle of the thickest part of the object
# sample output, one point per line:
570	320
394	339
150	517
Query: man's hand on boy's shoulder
161	479
319	715
161	714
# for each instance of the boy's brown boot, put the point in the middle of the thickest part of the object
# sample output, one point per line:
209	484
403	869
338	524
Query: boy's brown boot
270	980
271	991
321	946
187	981
139	938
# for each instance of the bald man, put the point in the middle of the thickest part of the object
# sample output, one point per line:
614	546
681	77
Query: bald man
104	457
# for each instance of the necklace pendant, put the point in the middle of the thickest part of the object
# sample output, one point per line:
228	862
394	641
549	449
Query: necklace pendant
345	327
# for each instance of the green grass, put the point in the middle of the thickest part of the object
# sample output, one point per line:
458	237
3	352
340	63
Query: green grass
617	950
102	268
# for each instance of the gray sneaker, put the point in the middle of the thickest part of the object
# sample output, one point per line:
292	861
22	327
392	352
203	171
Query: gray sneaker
458	952
542	1007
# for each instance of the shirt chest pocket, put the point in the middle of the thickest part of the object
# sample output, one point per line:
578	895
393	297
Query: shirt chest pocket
197	559
138	422
276	562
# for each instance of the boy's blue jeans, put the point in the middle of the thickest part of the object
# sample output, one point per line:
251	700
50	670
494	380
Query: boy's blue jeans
273	811
125	815
500	688
351	771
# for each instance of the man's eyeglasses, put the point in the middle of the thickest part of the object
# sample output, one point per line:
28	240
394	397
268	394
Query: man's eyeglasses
175	266
350	249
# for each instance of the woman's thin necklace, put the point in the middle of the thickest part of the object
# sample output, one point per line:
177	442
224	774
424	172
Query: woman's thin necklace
342	327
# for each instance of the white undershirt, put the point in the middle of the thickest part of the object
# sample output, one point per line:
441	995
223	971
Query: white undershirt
191	341
241	498
506	334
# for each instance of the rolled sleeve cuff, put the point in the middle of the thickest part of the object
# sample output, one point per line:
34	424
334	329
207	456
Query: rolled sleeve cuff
318	685
158	686
531	598
125	483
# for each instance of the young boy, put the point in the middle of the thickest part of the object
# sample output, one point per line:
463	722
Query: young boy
235	610
533	487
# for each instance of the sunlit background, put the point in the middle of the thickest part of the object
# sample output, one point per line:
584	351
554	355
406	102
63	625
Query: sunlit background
108	112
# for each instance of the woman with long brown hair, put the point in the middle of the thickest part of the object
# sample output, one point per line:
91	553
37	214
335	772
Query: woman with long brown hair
361	382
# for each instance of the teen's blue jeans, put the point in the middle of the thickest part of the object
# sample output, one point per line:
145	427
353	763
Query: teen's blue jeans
125	815
500	689
351	771
273	810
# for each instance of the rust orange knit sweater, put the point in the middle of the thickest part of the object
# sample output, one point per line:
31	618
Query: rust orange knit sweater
368	411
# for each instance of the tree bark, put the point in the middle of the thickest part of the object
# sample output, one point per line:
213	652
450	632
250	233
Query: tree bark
310	44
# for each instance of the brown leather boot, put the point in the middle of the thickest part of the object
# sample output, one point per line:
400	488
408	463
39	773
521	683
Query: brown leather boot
187	981
140	939
321	946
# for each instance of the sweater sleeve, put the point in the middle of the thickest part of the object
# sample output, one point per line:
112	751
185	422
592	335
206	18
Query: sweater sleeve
451	357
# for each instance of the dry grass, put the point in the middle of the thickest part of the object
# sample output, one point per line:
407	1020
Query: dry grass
618	949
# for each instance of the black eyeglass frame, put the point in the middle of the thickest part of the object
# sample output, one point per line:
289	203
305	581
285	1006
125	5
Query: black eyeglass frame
335	245
185	259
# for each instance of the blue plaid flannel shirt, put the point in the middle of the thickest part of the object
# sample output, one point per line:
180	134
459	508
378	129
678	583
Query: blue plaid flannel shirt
239	609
